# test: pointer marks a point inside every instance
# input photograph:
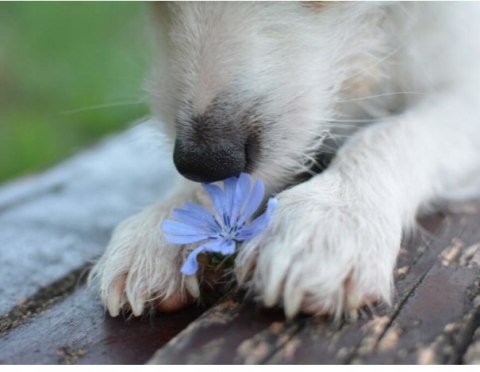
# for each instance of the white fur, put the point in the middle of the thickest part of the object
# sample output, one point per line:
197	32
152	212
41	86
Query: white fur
396	84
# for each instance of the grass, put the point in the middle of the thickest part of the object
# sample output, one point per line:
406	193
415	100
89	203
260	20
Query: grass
69	74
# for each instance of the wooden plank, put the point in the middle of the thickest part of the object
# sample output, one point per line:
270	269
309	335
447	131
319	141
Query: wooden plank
77	331
374	339
436	323
218	336
52	226
472	355
434	296
56	222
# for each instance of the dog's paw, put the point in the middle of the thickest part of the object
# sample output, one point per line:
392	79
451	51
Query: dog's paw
140	270
327	250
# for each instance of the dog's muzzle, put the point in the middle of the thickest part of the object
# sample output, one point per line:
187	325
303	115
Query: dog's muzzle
220	143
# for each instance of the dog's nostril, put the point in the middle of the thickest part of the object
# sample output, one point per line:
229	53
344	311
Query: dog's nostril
211	163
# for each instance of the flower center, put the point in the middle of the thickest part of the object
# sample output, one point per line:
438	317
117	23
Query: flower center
229	231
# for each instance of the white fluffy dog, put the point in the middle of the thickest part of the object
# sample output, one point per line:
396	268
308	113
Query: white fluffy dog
268	88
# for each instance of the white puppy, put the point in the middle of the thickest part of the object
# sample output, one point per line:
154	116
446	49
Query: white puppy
268	88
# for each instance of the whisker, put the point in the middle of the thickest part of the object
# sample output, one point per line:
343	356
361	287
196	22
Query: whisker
379	95
102	106
381	60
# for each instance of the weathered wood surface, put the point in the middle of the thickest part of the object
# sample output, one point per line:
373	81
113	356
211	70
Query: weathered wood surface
77	331
55	222
433	320
53	225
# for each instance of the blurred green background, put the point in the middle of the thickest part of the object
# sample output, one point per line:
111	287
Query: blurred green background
69	74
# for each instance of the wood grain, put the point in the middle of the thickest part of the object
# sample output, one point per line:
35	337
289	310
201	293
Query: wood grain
433	319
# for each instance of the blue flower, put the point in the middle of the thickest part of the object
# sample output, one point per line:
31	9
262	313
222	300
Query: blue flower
234	206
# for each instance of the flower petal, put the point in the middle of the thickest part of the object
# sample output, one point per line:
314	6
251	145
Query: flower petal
218	246
242	190
179	228
202	212
229	186
185	239
254	201
217	197
191	216
214	245
227	248
259	223
190	266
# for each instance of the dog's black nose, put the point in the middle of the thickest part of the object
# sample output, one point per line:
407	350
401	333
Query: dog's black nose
210	162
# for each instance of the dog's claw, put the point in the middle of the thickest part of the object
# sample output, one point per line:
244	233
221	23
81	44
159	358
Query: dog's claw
276	280
191	284
112	306
114	300
136	304
292	307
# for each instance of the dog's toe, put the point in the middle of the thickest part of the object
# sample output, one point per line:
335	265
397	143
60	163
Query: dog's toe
118	300
115	300
175	302
139	270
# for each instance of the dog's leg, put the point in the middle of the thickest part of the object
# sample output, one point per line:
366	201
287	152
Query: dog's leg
333	240
139	268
